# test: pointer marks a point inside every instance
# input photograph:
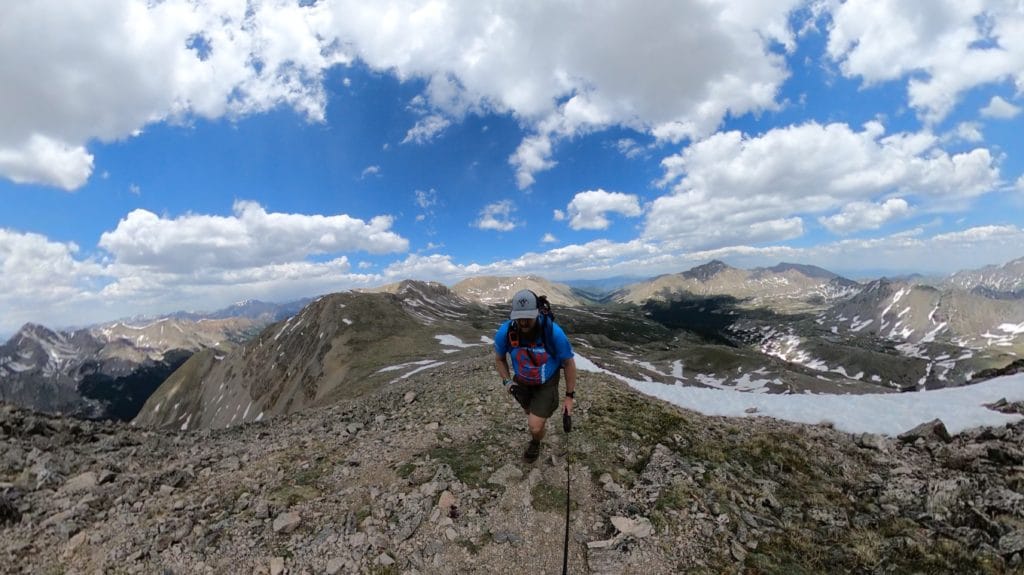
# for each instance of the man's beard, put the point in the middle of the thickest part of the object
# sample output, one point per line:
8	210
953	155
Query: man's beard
531	333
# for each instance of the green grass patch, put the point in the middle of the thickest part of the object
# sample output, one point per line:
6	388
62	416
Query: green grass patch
895	546
613	419
546	497
310	475
472	462
289	495
404	470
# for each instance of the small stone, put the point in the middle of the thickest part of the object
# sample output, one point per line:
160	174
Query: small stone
451	534
433	426
750	410
230	464
872	441
262	510
928	430
82	482
602	544
286	522
334	566
385	560
75	543
446	502
429	488
738	551
277	566
640	527
353	428
506	475
410	396
1012	542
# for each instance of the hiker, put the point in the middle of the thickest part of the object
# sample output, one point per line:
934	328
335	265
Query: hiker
539	349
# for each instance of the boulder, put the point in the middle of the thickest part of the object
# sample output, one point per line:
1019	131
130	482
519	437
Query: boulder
928	431
286	522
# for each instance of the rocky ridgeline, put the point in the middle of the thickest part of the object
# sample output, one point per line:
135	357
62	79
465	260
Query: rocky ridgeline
426	476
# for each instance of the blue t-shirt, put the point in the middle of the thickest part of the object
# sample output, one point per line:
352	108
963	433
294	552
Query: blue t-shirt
530	361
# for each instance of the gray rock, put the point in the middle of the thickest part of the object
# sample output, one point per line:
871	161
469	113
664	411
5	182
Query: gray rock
640	527
506	475
1012	542
334	566
262	510
873	441
82	482
930	430
231	463
738	551
286	522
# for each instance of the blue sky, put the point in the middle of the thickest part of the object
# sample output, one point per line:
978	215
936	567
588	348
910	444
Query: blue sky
186	155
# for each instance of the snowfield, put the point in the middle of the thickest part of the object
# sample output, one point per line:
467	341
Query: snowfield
960	408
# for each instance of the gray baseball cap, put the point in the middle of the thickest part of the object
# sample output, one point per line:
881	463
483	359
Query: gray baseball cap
524	305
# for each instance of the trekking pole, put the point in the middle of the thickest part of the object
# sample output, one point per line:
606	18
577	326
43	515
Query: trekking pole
567	427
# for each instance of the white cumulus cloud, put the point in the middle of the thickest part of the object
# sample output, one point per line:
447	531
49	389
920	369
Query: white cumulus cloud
102	70
564	68
944	50
1000	108
250	238
858	216
37	273
497	216
588	210
426	129
725	184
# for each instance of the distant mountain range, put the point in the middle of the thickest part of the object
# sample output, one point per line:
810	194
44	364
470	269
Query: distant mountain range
499	290
1005	281
788	328
789	287
109	370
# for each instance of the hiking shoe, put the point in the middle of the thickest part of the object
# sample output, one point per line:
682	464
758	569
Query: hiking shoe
532	451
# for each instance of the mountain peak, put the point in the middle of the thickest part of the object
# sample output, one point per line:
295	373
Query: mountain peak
707	271
807	270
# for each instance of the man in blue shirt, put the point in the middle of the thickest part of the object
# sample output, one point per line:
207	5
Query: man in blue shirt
538	349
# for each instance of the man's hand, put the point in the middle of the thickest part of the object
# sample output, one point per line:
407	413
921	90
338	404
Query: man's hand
567	405
520	393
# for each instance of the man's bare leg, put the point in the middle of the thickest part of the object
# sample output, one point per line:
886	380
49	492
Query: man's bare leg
537	427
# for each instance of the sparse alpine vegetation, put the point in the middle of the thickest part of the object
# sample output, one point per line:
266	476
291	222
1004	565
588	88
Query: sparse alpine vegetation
425	475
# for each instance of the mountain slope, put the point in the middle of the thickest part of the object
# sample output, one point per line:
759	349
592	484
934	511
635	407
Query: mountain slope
499	290
784	287
900	335
339	346
409	479
1006	279
108	370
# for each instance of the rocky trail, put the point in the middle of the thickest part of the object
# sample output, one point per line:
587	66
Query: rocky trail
426	476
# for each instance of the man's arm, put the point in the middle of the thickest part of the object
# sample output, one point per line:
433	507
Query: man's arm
569	366
501	364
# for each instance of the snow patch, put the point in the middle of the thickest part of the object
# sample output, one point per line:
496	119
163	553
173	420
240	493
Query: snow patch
960	408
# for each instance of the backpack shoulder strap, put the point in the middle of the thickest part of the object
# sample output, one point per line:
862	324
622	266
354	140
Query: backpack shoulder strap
547	334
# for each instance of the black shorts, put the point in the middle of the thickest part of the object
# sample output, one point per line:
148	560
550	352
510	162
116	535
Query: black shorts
540	400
